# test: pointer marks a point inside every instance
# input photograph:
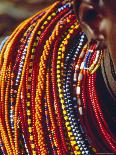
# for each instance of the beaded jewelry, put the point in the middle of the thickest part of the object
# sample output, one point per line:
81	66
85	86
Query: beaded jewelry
48	97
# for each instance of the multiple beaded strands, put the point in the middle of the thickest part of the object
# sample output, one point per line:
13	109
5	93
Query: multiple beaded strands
89	103
38	108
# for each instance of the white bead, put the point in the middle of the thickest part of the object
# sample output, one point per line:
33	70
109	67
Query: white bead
78	135
23	57
59	9
74	98
97	56
82	36
82	54
77	67
87	152
25	50
82	65
91	51
78	90
75	77
80	111
80	77
79	101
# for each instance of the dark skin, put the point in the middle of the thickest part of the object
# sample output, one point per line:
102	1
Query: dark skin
98	21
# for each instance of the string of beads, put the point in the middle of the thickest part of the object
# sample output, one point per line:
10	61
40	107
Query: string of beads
46	88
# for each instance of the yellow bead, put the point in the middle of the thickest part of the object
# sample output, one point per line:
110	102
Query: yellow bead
58	66
76	147
73	142
62	101
34	152
58	62
30	129
66	42
31	137
63	107
33	50
58	71
45	22
29	121
53	14
69	128
28	95
64	112
68	20
70	134
60	90
33	146
67	123
59	85
49	17
28	103
77	152
71	31
42	27
66	118
28	113
39	32
72	26
58	80
58	76
72	138
59	57
61	95
35	44
68	36
63	49
93	149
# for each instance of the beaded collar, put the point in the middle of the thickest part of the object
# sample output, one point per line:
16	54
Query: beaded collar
48	102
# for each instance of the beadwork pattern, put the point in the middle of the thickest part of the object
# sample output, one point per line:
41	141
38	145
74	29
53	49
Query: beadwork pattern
42	94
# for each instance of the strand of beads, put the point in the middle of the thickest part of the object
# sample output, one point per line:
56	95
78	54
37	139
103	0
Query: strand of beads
54	75
29	93
42	67
2	148
51	127
78	76
19	90
28	102
53	52
59	73
68	95
17	33
3	72
28	97
30	89
45	111
87	60
49	18
103	128
90	101
88	116
21	59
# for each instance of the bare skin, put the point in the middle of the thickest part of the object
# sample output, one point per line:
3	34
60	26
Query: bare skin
98	21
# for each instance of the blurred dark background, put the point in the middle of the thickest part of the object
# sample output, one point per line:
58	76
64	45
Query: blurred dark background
12	12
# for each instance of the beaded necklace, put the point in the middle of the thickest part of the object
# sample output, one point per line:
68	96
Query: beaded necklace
48	97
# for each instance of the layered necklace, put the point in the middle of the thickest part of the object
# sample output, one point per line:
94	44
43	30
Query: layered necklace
48	98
